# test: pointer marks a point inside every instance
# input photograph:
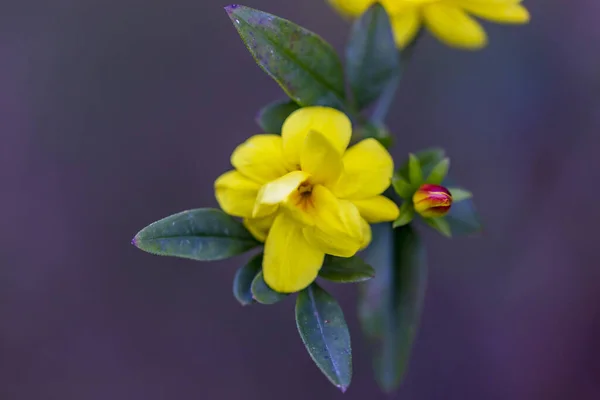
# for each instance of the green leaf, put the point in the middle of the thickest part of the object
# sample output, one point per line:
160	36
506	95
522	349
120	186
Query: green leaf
459	194
440	225
404	188
304	65
375	131
372	60
262	293
346	270
390	304
439	172
203	234
271	117
428	159
407	213
463	218
324	332
415	173
382	107
242	282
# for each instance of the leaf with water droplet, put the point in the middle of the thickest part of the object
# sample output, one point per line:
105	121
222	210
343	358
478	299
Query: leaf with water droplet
325	335
203	234
302	63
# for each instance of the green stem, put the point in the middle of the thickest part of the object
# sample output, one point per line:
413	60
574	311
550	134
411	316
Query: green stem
386	99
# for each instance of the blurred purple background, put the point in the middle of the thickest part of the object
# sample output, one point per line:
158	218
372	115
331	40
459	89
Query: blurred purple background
115	113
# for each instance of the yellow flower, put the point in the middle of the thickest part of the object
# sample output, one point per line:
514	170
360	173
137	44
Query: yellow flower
432	201
449	20
306	195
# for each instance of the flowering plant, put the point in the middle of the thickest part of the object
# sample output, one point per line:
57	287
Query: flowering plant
318	195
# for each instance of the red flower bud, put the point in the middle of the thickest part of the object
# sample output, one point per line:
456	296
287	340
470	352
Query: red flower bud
432	201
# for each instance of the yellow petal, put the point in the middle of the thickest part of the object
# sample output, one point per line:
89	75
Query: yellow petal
236	194
454	27
501	13
338	228
405	26
368	170
331	123
300	206
377	209
320	159
487	2
367	235
259	227
290	263
351	8
260	158
276	192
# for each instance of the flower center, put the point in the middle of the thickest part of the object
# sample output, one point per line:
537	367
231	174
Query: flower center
303	198
305	188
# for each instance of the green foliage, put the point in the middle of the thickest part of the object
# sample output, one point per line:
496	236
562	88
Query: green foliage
439	224
262	293
459	194
323	330
402	186
304	65
376	131
428	159
439	172
390	304
346	270
272	116
242	282
463	219
394	272
203	234
415	174
372	60
407	213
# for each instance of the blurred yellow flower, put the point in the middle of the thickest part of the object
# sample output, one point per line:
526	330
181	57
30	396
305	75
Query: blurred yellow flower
306	195
449	20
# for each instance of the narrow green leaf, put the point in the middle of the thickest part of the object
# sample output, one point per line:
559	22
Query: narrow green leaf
324	332
372	60
463	218
404	188
415	173
439	172
440	225
262	293
459	194
428	159
386	99
407	213
346	270
304	65
242	282
203	234
271	117
390	304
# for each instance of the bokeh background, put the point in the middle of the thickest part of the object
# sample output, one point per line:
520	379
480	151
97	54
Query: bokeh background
115	113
